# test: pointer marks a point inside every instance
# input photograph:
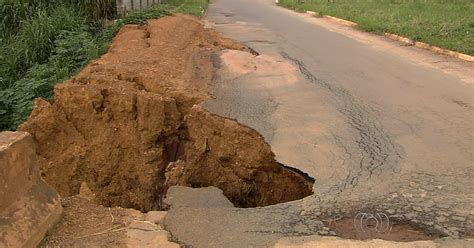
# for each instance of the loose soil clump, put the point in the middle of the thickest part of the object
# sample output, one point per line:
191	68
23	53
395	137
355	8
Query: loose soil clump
130	125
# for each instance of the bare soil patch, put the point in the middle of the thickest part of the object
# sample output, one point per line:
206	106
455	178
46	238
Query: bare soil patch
83	221
130	125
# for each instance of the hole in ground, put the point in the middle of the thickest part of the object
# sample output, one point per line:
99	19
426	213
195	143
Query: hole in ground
305	175
137	146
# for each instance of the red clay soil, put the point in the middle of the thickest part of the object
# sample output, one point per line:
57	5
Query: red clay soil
129	125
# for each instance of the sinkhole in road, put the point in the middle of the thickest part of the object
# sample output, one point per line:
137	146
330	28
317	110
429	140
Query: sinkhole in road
128	146
130	125
126	133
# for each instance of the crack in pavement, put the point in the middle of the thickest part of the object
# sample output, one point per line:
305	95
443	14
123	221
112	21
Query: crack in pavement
376	147
418	201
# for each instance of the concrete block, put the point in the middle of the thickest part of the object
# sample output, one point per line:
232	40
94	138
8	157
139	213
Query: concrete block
28	206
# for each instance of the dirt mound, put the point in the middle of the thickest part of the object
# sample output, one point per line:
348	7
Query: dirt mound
129	126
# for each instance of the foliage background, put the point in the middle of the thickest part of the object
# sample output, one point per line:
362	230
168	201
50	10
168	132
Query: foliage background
44	42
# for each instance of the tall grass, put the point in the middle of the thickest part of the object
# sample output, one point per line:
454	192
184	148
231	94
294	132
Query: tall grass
43	42
33	42
96	9
28	30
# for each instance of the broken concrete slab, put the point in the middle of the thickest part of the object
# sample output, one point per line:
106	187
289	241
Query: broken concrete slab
203	217
29	207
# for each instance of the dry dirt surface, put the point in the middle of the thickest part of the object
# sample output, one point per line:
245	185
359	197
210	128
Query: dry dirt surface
85	224
130	125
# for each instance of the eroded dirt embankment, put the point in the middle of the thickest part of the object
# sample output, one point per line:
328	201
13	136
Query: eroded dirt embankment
129	126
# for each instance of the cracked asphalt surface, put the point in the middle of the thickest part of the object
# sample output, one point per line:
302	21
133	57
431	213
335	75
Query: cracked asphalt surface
379	126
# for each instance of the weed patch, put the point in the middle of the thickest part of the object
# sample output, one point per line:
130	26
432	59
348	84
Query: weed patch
191	7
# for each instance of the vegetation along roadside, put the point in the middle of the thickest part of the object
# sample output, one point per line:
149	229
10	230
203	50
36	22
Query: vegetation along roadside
444	23
45	42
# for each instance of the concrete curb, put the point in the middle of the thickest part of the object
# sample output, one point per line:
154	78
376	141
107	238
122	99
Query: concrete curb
430	47
333	18
405	40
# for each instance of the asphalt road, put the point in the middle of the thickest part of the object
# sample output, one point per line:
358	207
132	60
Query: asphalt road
380	126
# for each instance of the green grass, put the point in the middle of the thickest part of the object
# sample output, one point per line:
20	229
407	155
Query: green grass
191	7
44	42
445	23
